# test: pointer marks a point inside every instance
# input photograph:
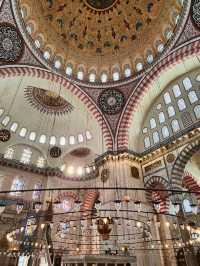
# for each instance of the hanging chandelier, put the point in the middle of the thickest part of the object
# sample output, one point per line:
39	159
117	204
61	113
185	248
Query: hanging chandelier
104	227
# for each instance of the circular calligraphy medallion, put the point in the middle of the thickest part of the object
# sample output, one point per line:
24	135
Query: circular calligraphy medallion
11	43
55	152
111	101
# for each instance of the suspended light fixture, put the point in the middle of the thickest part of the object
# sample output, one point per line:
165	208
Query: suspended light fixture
97	205
118	205
42	226
139	224
57	204
138	205
104	227
2	208
19	207
149	222
156	205
77	205
37	206
194	208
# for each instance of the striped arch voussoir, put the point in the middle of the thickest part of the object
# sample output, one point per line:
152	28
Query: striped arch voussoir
144	85
44	74
89	201
180	163
154	181
67	194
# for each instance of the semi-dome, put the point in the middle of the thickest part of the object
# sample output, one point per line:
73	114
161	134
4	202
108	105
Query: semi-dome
100	41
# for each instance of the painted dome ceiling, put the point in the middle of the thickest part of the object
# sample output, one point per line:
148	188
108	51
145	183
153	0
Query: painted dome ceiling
100	40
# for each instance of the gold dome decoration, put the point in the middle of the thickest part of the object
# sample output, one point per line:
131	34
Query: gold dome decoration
100	5
100	36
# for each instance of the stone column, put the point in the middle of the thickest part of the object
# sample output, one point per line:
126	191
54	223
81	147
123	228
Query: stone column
168	252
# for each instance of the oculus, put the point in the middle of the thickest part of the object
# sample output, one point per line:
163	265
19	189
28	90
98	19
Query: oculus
47	101
11	44
100	5
111	101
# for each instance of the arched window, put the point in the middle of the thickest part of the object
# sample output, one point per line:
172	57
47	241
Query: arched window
115	75
145	130
197	111
40	162
36	193
42	139
9	153
167	98
18	184
152	123
165	132
171	111
104	77
14	127
6	120
71	140
181	104
66	205
88	135
46	55
62	141
176	91
192	97
80	74
175	125
139	67
156	138
53	140
127	71
147	143
161	117
80	138
32	136
187	206
69	70
187	83
23	132
92	77
57	64
26	156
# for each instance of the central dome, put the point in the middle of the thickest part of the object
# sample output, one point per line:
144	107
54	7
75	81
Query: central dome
101	40
100	5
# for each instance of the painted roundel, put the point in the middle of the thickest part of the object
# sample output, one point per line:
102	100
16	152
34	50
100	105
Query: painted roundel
196	12
47	101
111	101
100	5
11	44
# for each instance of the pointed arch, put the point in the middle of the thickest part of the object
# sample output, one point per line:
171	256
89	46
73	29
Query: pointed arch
145	84
15	70
177	172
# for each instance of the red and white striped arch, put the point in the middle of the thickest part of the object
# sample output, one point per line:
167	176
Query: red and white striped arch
190	182
144	85
164	203
12	71
89	201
